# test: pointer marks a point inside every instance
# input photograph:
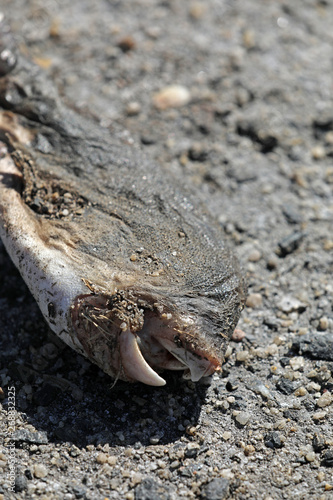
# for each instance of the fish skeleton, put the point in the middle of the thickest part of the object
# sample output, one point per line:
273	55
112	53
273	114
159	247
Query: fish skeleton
127	266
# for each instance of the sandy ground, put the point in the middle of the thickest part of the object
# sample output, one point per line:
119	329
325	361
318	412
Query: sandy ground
255	142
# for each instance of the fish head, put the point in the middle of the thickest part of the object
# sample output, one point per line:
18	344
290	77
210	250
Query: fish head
138	332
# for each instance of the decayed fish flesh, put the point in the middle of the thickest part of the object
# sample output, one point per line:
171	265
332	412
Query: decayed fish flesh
127	267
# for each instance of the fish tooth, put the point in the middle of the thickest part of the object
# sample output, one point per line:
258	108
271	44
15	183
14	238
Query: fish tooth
133	362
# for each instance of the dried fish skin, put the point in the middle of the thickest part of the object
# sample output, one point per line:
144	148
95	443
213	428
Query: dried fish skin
91	222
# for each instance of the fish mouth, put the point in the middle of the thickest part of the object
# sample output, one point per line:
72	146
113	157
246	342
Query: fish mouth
133	337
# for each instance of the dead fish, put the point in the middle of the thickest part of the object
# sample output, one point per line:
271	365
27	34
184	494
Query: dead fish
127	267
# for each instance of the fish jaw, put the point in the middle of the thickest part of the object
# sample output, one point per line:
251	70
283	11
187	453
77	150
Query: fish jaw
130	335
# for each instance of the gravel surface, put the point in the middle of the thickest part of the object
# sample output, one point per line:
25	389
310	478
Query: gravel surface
235	97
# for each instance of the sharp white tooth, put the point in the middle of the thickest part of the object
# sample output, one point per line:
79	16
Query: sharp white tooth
134	363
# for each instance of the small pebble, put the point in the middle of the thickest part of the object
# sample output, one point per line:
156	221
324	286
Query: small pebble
285	386
127	43
271	350
232	385
254	300
228	352
154	440
289	244
227	473
136	478
273	440
325	400
321	476
21	483
191	450
112	460
249	449
301	391
323	323
217	489
173	96
237	336
40	471
297	363
329	137
318	442
310	457
328	245
259	387
226	435
313	387
222	405
254	256
272	263
280	424
319	415
243	418
133	108
302	331
197	10
242	356
318	152
259	352
327	459
249	38
289	304
279	340
101	458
